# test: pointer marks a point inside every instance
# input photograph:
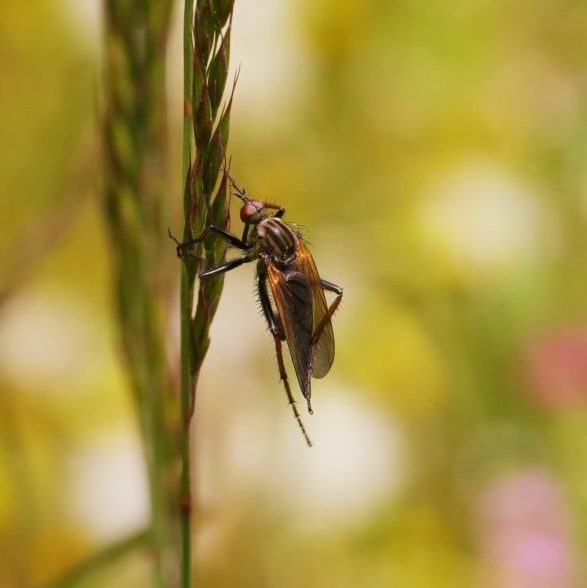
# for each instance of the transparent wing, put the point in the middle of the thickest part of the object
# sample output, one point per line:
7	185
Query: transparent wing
323	352
302	308
292	294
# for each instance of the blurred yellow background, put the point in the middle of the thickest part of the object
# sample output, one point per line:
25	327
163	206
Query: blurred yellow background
435	153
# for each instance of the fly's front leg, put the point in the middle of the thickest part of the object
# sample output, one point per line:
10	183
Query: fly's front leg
280	210
331	309
232	241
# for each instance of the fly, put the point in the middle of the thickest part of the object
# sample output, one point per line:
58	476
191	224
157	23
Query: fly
296	311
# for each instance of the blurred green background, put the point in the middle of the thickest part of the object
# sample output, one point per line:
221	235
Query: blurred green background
435	153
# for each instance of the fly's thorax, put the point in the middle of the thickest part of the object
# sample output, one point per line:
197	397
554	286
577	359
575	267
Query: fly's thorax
276	240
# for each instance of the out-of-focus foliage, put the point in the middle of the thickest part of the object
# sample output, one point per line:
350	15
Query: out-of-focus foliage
435	154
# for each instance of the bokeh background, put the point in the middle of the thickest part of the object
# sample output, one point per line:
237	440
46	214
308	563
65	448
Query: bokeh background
435	152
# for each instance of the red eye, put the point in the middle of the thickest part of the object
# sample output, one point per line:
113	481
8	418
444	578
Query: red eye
252	211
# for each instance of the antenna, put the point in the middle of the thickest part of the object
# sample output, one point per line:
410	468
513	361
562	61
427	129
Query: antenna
240	192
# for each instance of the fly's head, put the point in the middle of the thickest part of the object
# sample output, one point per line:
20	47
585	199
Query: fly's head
252	211
268	236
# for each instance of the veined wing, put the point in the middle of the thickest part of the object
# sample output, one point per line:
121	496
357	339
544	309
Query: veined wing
323	352
292	294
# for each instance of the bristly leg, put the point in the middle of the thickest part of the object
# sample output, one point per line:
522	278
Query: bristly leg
278	336
284	379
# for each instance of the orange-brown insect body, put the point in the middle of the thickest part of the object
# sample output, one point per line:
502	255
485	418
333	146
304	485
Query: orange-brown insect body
301	316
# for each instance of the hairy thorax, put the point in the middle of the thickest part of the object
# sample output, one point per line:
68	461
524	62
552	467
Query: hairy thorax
277	241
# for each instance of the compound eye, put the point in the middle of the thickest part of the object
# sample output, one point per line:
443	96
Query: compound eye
252	212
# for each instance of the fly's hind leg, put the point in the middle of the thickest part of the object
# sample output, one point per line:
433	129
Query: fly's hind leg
283	376
331	309
278	336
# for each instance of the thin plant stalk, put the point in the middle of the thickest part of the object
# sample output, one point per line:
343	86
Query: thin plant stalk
134	161
186	297
207	27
